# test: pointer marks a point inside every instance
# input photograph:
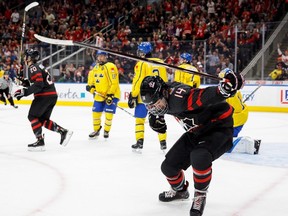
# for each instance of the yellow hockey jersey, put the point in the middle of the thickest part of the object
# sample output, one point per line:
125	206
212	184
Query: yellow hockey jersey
187	78
105	78
143	69
240	114
1	73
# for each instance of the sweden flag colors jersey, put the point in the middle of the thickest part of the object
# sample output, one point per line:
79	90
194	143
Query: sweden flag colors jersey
187	78
240	114
105	78
143	69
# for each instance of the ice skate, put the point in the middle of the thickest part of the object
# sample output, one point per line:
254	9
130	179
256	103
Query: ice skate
137	148
14	106
171	195
257	144
106	134
198	204
65	136
163	145
95	134
38	146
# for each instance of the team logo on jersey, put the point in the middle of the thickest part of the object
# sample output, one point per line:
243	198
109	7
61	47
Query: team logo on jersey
187	123
284	96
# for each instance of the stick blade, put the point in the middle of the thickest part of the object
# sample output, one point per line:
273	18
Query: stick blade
54	41
33	4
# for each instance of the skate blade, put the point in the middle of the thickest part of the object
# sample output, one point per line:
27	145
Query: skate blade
37	149
138	151
68	137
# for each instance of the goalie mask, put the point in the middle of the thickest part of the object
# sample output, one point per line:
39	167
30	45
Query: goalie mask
31	55
151	91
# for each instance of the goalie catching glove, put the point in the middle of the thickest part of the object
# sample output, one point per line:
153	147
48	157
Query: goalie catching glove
157	123
231	82
109	99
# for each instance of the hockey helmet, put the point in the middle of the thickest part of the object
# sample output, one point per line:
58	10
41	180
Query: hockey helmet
151	91
100	52
145	48
31	55
187	57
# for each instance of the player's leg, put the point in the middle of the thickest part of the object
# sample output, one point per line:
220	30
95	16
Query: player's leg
140	114
162	139
176	160
110	110
210	146
97	111
65	134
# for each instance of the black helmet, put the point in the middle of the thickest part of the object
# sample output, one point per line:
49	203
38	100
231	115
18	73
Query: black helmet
31	55
151	90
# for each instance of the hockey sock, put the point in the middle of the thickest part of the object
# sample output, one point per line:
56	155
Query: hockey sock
96	120
177	182
139	128
36	127
50	125
108	121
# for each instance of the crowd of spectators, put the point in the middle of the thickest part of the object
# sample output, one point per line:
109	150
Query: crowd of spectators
204	28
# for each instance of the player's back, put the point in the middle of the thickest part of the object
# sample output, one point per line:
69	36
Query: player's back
158	70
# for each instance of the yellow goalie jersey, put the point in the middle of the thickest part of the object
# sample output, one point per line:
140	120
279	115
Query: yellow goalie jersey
187	78
240	114
143	69
105	78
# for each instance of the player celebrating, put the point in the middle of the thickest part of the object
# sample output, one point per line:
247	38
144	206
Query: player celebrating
40	84
208	121
143	69
184	77
103	82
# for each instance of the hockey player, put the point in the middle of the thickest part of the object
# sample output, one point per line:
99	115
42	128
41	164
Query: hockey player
143	69
184	77
208	121
6	85
40	84
240	116
103	83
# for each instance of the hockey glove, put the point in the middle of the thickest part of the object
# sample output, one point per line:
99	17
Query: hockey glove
19	93
132	101
89	87
157	123
109	99
231	83
23	81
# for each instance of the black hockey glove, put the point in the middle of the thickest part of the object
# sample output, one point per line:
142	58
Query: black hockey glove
19	93
109	99
89	87
157	123
132	101
23	81
231	83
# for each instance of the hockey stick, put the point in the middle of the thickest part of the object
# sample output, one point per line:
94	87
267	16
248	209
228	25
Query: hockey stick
136	58
117	105
27	8
252	93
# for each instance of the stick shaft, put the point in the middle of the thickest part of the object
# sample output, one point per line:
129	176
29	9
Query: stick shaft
124	55
253	92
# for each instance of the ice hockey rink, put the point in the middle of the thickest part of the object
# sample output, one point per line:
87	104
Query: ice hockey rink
105	178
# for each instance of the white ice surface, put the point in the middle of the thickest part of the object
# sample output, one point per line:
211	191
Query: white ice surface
105	178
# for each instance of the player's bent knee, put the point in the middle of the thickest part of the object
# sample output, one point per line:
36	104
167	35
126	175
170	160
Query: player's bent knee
201	158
